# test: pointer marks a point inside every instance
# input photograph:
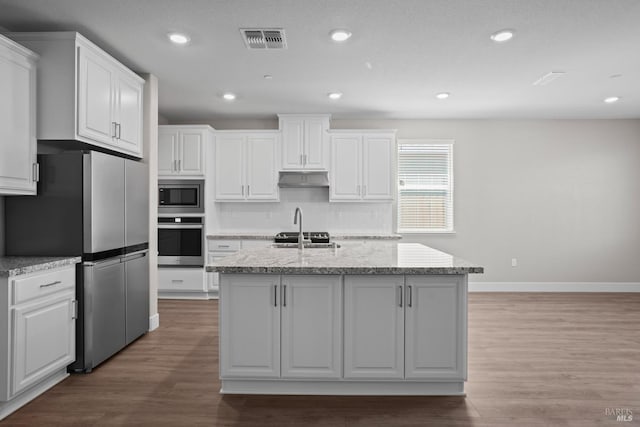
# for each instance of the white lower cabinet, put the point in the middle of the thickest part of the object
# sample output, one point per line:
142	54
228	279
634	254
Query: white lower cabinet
250	326
273	327
37	328
43	341
396	334
435	327
373	327
311	329
407	330
177	280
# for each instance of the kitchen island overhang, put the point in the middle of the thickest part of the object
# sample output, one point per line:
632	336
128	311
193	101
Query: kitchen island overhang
372	318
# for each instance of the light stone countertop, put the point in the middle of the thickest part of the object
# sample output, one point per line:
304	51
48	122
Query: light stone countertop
249	236
16	265
368	257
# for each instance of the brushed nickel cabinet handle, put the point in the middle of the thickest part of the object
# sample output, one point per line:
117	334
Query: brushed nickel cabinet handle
284	295
410	298
275	295
57	282
115	129
400	295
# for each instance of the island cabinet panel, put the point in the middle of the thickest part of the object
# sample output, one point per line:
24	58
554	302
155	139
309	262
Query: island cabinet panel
311	326
250	326
374	327
435	332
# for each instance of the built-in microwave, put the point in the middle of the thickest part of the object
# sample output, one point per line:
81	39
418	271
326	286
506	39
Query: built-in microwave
180	196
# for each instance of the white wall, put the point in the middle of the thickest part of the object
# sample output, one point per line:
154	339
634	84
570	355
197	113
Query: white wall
150	153
561	196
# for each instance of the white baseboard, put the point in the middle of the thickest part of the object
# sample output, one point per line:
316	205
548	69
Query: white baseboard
554	286
154	322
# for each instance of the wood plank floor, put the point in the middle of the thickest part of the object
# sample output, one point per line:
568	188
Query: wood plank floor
534	360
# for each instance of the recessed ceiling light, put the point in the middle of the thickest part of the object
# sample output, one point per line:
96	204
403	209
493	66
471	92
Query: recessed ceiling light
229	96
612	99
179	38
502	36
335	95
340	35
443	95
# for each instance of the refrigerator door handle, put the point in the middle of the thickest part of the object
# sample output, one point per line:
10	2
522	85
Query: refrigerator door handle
134	255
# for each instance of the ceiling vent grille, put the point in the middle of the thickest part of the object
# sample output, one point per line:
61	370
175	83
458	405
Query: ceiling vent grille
264	38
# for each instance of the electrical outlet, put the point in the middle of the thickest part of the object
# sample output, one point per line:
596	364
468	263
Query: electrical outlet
514	262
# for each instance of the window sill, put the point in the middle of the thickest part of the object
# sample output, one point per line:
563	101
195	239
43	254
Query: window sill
417	232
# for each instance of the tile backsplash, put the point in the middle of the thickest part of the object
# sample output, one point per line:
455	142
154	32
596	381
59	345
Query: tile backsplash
318	214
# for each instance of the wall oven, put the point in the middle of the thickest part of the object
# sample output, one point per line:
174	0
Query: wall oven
180	241
180	196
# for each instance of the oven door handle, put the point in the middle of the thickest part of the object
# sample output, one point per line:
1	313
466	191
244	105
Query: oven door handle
181	226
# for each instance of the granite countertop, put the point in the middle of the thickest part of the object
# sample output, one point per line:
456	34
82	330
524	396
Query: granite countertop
261	236
15	265
368	257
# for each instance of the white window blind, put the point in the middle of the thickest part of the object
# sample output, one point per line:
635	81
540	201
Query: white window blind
425	186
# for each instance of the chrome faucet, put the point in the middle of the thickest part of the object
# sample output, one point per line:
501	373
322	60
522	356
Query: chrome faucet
301	240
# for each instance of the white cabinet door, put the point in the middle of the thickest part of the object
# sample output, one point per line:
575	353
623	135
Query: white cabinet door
311	326
95	97
373	327
43	340
304	141
167	149
249	326
229	167
17	120
262	172
315	143
128	114
293	134
377	167
435	337
345	167
191	152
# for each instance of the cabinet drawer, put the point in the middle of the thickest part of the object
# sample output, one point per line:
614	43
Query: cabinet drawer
41	284
181	279
224	245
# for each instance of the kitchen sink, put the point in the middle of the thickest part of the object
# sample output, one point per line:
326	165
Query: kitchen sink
329	245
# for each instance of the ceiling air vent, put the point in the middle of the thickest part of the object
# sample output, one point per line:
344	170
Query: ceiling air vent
264	38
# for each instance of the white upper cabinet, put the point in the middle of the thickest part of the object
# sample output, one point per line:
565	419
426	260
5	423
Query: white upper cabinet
84	94
246	166
181	150
362	166
304	141
18	169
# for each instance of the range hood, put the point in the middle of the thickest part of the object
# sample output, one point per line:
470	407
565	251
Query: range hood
303	179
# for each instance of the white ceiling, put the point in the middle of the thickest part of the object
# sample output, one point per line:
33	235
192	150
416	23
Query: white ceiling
416	49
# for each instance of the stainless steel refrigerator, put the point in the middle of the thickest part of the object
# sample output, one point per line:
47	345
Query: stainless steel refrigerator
95	205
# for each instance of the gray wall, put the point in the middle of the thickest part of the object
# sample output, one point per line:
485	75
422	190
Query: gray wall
561	196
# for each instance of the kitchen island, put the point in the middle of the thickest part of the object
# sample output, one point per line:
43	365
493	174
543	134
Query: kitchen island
365	318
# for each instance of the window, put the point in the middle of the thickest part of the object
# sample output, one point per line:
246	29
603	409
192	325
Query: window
425	186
